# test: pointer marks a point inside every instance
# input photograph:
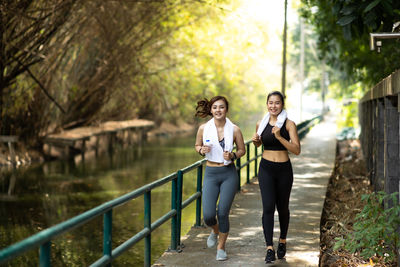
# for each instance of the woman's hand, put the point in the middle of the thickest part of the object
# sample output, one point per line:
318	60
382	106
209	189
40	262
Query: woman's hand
277	132
227	155
293	145
256	139
205	149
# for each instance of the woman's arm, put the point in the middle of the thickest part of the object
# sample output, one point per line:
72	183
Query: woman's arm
294	144
256	138
238	139
198	146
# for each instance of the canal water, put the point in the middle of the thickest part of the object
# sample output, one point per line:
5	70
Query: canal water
39	196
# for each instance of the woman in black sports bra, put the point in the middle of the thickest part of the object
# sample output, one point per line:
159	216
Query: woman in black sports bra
275	174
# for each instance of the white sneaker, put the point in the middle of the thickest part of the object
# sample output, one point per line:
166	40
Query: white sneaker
212	240
221	255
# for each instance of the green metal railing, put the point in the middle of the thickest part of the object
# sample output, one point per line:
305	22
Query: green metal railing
44	238
304	127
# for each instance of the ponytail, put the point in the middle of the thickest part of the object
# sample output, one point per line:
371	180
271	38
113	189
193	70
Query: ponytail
203	108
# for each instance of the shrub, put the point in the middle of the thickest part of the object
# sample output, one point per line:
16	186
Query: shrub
375	231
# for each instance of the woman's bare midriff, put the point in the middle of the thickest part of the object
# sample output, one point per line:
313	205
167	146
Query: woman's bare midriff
276	155
214	164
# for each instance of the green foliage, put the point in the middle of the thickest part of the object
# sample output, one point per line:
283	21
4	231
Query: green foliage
118	60
207	63
348	97
343	28
348	116
375	232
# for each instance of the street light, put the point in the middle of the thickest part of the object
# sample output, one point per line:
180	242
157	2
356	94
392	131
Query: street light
374	36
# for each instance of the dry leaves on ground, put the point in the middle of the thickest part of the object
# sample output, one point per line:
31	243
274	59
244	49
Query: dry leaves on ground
348	182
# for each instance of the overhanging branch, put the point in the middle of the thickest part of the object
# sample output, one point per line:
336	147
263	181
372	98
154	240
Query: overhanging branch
42	87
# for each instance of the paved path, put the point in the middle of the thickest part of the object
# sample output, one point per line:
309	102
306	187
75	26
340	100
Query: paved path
245	245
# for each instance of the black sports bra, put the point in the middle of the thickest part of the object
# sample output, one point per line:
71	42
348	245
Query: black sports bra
222	143
270	142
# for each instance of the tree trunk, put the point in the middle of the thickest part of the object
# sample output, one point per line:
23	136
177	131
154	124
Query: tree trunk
2	68
284	52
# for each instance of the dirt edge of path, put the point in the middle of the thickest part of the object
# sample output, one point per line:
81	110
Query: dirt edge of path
348	182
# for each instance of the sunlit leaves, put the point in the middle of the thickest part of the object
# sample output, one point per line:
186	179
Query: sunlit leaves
116	60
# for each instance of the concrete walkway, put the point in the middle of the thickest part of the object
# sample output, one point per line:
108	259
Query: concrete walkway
245	245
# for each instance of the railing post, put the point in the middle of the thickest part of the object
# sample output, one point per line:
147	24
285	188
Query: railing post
199	189
239	169
44	255
391	145
147	224
248	163
179	206
107	234
174	223
255	160
379	131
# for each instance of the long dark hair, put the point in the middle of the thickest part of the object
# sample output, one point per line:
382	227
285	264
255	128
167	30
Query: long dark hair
278	94
203	108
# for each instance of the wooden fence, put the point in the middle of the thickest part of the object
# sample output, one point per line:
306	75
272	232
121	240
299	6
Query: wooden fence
379	116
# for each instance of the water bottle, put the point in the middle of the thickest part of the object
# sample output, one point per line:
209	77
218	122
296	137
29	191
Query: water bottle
208	143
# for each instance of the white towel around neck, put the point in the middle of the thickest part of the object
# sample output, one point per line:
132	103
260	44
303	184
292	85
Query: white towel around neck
210	136
279	122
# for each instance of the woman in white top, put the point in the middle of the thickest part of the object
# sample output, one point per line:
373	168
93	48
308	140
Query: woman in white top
215	140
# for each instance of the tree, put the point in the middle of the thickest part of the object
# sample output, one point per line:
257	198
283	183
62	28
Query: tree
91	59
27	28
343	29
118	60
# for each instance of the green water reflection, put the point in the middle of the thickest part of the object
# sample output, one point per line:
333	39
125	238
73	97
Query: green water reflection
43	195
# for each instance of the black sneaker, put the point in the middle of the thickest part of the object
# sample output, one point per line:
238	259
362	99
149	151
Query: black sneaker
281	252
270	257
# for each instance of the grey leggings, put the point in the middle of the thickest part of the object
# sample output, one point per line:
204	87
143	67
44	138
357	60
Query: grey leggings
222	181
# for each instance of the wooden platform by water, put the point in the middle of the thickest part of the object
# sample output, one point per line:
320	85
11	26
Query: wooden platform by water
71	140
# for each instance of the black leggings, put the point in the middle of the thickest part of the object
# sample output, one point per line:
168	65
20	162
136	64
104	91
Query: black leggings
275	181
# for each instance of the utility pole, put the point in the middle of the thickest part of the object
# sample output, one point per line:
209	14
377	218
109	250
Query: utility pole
301	67
284	53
